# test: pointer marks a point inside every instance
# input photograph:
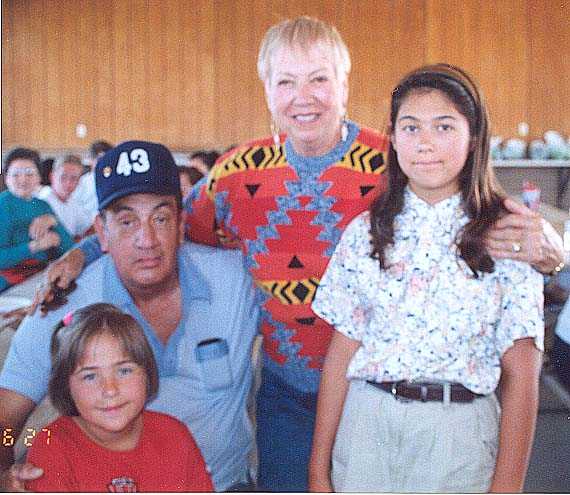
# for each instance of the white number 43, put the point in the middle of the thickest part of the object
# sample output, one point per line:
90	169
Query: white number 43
135	161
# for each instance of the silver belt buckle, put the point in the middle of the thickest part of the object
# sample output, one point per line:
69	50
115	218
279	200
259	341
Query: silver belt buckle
446	393
394	392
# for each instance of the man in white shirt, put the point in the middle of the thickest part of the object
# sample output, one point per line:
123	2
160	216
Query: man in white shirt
69	209
85	191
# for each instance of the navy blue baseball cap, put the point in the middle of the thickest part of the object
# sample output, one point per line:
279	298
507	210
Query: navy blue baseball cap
136	167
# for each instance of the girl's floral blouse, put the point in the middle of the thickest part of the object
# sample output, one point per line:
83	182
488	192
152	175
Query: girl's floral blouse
427	318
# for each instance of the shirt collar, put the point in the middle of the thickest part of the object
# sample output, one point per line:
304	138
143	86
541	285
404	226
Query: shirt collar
317	164
191	279
444	212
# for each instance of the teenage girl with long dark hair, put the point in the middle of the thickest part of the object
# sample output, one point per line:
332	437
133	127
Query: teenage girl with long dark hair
427	324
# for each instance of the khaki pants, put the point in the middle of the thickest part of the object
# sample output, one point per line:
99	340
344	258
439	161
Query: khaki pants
388	445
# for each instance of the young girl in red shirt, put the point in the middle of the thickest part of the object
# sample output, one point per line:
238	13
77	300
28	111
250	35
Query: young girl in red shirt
103	374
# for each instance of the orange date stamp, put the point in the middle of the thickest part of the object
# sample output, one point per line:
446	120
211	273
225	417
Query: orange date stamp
9	440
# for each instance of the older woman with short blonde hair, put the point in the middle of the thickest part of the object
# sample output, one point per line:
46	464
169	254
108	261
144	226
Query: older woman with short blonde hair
285	201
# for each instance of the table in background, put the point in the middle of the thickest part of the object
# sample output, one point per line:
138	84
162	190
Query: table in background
550	175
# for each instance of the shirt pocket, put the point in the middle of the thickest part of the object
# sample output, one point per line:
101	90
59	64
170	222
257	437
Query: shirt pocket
213	357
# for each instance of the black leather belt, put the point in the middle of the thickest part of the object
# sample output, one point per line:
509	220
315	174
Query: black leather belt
427	391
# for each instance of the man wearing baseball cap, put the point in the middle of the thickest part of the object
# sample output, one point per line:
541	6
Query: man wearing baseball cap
195	304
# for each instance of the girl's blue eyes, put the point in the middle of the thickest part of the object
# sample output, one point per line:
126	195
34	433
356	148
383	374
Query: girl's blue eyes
123	371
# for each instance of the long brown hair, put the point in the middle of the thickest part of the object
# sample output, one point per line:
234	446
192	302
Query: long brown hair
481	196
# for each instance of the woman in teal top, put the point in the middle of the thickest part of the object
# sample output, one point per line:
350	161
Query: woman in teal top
30	235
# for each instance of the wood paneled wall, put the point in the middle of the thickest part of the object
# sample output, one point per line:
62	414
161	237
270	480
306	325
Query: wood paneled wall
183	72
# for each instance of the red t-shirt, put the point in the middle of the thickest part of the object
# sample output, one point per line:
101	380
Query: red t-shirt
166	459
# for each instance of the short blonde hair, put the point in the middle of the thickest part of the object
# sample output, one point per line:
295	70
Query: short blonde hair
302	32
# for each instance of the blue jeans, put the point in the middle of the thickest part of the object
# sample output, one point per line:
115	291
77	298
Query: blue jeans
285	423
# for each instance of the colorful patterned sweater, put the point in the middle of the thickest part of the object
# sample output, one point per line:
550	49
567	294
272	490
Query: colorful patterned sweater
287	213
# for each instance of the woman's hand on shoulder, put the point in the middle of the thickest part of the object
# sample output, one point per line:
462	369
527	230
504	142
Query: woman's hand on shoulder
524	235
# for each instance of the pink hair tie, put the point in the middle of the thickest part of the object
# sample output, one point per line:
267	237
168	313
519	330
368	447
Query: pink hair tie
68	318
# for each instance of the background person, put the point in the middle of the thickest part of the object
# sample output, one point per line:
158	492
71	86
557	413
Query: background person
30	235
64	178
85	192
203	160
188	177
426	322
46	166
102	374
